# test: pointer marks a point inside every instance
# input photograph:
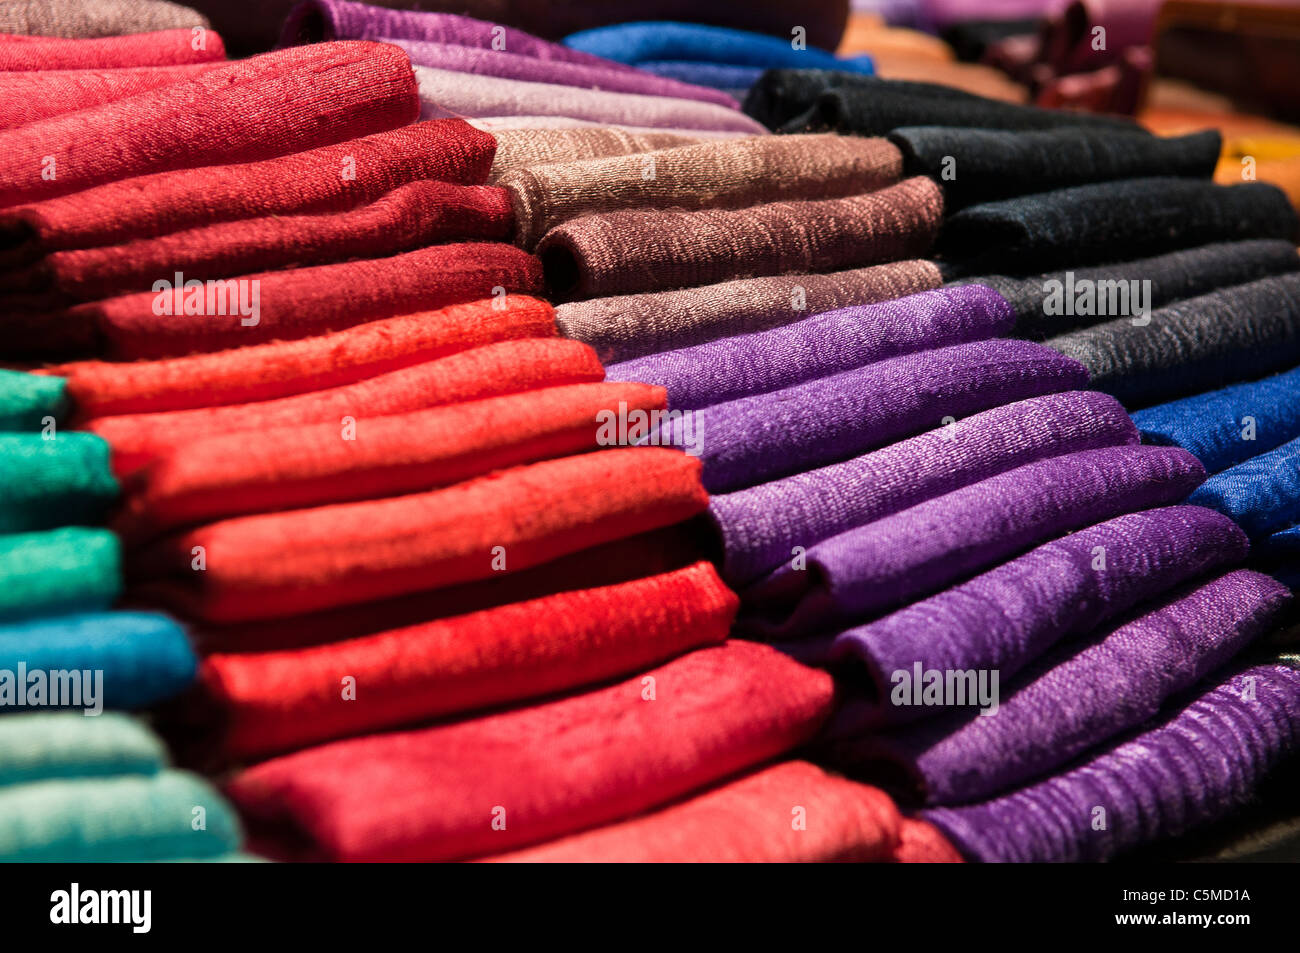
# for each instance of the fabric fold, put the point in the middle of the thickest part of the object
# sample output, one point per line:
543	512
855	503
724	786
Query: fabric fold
48	746
519	149
46	483
157	48
56	571
1262	494
42	94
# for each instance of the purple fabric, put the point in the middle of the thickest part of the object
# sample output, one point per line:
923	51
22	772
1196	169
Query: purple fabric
1008	616
1194	767
759	526
760	438
821	345
884	564
1078	697
487	62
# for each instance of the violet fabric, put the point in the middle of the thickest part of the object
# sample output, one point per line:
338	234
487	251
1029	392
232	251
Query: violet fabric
917	551
755	439
819	346
1262	494
760	526
1195	766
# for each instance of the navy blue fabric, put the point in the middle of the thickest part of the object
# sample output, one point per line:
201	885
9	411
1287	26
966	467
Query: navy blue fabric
1262	494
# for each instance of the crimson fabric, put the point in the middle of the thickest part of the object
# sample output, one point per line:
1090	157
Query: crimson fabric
283	368
306	465
280	564
505	367
269	702
161	48
146	206
554	768
411	216
258	108
30	97
749	821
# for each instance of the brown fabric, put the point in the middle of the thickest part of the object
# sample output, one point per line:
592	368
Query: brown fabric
630	326
730	174
521	148
658	249
86	19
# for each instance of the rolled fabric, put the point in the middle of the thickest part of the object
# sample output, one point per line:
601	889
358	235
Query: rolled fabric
625	327
279	564
506	367
659	249
33	96
450	93
307	465
1174	276
58	571
159	48
138	658
48	746
1228	426
147	206
1195	345
337	91
1262	494
710	175
259	704
1087	224
554	768
552	122
1003	619
115	819
819	346
755	439
924	548
1195	766
759	526
520	148
411	216
75	19
31	401
732	80
57	482
749	821
981	165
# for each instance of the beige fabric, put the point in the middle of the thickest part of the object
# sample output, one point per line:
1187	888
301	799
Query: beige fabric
87	19
521	148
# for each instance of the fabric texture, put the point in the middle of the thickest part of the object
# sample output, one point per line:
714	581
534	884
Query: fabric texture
26	400
733	80
1262	494
33	96
59	482
518	149
75	19
58	571
159	48
47	746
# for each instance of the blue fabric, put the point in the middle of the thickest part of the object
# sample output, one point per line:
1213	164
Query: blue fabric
1262	494
724	76
664	40
145	657
1210	426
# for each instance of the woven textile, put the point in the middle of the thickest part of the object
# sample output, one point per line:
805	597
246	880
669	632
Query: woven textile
33	96
1262	494
29	401
44	746
521	148
161	48
75	18
58	482
58	571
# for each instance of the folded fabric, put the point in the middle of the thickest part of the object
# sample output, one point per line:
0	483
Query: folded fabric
512	123
159	48
30	401
33	96
1195	345
280	564
58	571
732	80
659	249
277	305
522	148
630	326
1262	494
411	216
284	368
981	165
927	547
755	439
1195	766
115	819
507	367
1080	297
449	93
331	178
61	481
819	346
265	703
1088	224
47	746
1005	618
77	19
541	772
710	175
759	527
753	820
138	659
307	465
1228	426
237	113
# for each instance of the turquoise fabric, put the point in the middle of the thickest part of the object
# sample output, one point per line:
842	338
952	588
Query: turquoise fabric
57	572
64	480
45	746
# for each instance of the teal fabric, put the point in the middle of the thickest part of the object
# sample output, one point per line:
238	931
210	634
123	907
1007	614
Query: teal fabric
58	572
45	746
65	480
27	399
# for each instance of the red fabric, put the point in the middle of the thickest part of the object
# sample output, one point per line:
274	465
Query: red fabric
161	48
505	367
265	703
283	368
146	206
282	564
30	97
553	768
296	466
923	843
411	216
257	108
